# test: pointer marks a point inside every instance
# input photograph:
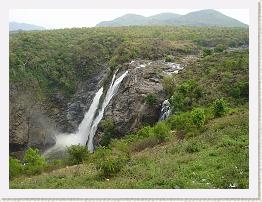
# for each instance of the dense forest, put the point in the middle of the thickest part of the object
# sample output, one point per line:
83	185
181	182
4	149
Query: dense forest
203	143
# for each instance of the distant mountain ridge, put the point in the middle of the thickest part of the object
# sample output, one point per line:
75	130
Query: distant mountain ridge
16	26
206	17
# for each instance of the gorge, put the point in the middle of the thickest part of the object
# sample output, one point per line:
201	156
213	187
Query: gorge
129	107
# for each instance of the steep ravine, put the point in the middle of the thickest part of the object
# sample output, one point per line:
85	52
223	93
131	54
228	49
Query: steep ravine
127	109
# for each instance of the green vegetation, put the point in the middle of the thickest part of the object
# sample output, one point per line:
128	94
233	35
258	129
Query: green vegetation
206	52
108	129
15	167
169	58
34	162
214	158
198	117
151	99
220	107
220	48
49	62
169	83
204	144
77	154
109	163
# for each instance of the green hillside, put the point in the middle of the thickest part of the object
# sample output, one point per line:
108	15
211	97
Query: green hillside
206	17
204	144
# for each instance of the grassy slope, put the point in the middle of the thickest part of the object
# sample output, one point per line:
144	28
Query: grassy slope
213	157
220	161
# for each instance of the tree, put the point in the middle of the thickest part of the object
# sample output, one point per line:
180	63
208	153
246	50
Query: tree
198	117
34	162
168	83
220	107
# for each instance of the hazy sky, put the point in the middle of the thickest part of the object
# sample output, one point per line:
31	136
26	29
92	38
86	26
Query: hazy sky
67	18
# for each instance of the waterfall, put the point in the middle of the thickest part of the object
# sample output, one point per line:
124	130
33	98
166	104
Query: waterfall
110	93
66	140
88	126
165	110
85	125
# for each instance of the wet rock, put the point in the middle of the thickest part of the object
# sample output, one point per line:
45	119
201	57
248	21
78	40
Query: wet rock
128	109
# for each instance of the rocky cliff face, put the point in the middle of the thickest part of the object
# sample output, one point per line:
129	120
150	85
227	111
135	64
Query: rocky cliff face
128	109
35	124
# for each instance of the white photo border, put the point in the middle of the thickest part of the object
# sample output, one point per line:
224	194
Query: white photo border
251	193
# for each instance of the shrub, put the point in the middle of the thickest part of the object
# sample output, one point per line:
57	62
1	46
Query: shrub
168	83
145	132
198	117
220	107
109	131
107	163
161	131
185	95
206	52
194	146
169	58
151	99
34	162
77	154
180	122
15	167
187	88
240	89
220	48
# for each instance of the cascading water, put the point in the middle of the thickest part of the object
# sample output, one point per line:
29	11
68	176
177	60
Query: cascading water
64	140
110	93
165	110
88	126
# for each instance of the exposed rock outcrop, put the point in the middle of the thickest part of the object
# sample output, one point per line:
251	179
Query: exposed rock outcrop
34	123
128	109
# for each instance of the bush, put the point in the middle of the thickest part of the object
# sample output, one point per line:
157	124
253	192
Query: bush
194	146
180	122
161	131
109	131
168	83
220	48
169	58
240	89
34	162
186	94
220	107
15	167
107	163
198	117
207	52
77	154
151	99
146	131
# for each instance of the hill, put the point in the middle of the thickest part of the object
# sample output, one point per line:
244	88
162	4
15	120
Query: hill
198	75
207	17
175	153
16	26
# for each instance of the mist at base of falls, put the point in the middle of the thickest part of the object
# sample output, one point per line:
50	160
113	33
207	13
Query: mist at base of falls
87	128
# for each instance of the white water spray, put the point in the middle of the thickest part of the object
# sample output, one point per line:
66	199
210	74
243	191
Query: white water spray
165	110
88	126
85	125
110	93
